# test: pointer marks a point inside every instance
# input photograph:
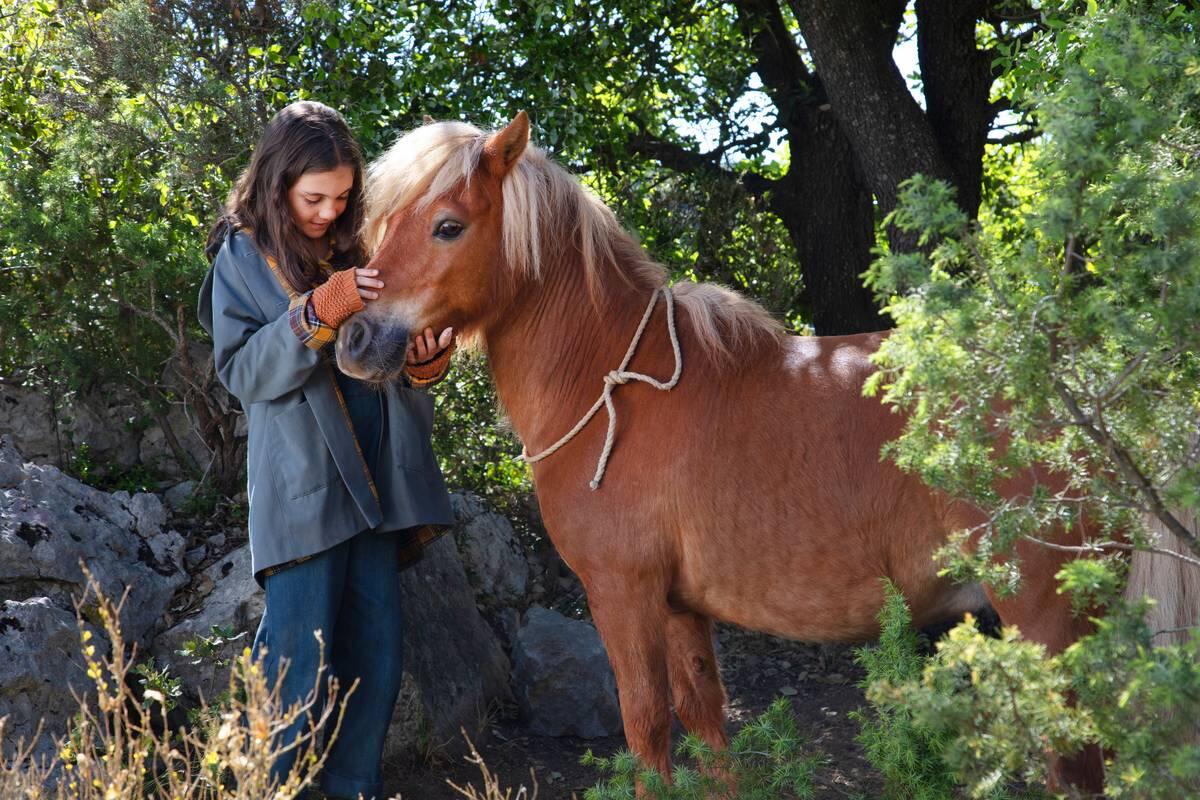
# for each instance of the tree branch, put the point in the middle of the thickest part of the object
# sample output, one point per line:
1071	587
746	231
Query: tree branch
1020	137
679	158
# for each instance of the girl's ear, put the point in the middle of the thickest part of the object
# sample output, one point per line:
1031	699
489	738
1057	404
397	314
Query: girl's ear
504	148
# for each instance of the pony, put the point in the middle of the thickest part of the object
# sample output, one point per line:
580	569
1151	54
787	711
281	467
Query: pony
739	476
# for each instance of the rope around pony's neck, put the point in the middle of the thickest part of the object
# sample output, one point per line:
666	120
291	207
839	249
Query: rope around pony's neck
619	377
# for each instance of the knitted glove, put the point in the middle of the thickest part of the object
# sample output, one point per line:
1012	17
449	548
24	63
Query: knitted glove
430	372
337	298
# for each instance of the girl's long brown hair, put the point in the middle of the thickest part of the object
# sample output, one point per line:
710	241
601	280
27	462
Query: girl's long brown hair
303	137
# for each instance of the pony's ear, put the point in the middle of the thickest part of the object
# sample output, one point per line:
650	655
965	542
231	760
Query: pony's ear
504	148
426	119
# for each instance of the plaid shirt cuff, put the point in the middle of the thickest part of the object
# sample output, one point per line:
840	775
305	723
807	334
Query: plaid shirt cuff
307	325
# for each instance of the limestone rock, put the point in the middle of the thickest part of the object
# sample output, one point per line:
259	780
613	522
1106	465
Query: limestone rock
564	684
458	668
235	602
492	555
40	664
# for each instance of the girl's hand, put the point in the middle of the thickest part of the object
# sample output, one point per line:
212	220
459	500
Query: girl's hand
424	346
365	281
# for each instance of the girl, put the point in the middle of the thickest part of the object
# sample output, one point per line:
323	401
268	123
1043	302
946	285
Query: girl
342	483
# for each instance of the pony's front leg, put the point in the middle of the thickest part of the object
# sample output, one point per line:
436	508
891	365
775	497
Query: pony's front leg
696	685
632	620
696	688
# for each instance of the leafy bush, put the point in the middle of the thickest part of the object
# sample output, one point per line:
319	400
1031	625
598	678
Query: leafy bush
1062	332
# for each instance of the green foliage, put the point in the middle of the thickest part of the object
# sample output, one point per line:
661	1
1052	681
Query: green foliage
907	753
158	684
996	706
82	465
474	448
1061	332
213	646
1064	336
765	761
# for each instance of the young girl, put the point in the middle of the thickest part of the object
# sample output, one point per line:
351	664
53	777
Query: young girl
342	483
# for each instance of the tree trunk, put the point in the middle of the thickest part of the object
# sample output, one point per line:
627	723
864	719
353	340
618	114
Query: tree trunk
851	44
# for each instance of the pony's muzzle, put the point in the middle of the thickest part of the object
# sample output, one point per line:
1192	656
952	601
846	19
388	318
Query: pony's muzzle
369	350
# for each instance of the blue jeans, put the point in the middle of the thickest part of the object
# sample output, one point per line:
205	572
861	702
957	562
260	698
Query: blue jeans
351	593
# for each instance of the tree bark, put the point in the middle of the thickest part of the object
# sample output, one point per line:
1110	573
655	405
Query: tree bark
822	200
957	77
851	44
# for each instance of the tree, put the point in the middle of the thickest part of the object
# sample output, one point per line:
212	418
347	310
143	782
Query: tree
611	84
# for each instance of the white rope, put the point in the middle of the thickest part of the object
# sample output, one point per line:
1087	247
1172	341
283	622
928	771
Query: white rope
619	377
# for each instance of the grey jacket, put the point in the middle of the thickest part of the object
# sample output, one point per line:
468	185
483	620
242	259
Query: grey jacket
308	485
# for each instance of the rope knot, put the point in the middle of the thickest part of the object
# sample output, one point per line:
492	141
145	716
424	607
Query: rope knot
616	378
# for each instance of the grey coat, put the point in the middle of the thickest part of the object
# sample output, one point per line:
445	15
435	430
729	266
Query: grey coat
308	485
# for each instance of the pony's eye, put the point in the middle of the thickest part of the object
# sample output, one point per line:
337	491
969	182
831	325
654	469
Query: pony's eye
448	229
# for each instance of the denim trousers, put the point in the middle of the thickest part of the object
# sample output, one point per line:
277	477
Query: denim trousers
351	593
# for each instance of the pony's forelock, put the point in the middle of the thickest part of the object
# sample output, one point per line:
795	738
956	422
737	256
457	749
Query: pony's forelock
426	159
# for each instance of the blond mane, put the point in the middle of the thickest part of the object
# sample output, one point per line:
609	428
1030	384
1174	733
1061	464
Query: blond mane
430	161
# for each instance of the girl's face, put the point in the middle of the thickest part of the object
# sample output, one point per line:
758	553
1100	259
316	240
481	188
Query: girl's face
318	198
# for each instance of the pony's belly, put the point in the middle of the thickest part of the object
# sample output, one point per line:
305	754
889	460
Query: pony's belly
800	605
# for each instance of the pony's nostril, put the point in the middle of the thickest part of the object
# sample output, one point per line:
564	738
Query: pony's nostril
356	339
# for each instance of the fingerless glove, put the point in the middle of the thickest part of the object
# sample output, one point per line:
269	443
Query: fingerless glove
337	298
430	372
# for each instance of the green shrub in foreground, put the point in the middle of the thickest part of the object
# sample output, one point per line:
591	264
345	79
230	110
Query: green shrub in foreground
908	754
766	761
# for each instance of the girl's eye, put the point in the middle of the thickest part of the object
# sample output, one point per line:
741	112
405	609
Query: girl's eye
449	229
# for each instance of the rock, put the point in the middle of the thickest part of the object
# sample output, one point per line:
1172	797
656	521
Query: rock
52	522
193	557
492	555
178	495
564	684
216	542
234	601
27	419
457	667
40	664
148	512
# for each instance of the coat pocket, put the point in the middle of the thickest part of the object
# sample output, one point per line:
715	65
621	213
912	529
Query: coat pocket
300	460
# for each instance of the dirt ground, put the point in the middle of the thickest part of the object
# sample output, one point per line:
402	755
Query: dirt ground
821	682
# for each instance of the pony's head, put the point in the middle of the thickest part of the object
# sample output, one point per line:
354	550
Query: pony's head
459	222
435	227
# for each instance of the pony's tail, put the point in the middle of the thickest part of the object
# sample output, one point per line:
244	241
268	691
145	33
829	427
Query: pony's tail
1173	583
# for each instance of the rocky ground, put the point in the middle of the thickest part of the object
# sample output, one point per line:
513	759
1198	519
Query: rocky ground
820	681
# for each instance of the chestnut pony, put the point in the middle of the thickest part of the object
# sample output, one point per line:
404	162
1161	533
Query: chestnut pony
751	492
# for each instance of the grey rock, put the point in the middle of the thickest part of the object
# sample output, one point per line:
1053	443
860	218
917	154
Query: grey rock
216	542
28	421
564	684
235	601
492	555
148	512
458	669
193	557
40	664
52	522
178	495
